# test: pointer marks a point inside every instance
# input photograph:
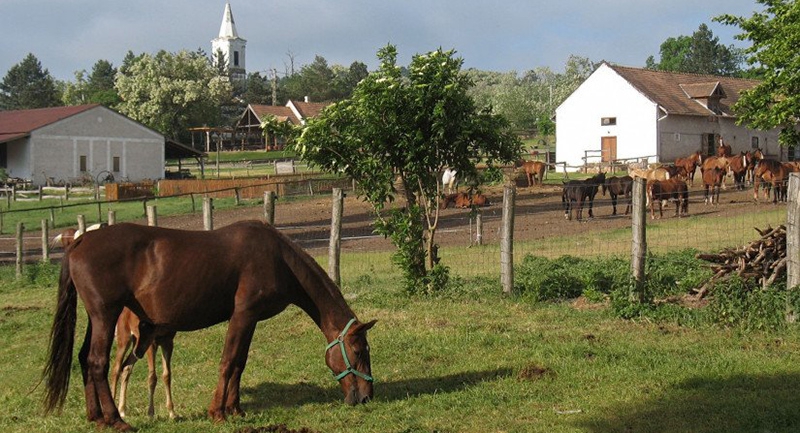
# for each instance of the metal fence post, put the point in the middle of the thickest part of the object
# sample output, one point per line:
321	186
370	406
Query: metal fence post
336	237
639	238
507	239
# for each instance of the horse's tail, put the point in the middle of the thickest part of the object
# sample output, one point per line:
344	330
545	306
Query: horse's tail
62	338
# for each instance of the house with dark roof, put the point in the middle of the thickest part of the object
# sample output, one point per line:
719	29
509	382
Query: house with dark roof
623	113
72	143
295	112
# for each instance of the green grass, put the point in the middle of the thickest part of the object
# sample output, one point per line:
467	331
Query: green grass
469	360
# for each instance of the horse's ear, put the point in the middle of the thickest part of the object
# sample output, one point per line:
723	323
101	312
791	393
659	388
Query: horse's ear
364	327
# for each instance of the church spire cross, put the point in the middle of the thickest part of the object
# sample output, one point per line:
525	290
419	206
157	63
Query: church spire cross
228	27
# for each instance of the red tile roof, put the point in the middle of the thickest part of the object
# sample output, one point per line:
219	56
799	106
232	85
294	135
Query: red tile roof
677	92
283	113
20	123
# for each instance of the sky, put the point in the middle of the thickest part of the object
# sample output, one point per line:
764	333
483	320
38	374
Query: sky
512	35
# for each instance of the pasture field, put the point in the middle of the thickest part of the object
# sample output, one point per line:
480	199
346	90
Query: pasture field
468	360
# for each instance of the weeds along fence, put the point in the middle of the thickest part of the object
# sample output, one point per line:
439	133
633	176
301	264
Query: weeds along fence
469	240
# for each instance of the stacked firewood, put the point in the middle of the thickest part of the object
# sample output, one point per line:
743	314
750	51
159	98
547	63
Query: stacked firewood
763	260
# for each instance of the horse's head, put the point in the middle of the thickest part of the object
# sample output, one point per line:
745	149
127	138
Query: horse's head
348	358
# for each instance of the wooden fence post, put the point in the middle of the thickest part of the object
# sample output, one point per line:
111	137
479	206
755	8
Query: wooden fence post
479	228
639	242
52	217
193	208
236	196
152	216
336	237
45	241
20	249
792	244
81	223
41	193
208	218
112	217
269	207
507	239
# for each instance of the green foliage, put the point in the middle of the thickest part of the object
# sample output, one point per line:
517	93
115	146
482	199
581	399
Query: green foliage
320	82
27	85
408	129
567	277
744	304
172	92
700	53
774	35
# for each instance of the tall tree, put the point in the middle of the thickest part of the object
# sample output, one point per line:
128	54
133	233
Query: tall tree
27	85
410	129
775	36
700	53
172	92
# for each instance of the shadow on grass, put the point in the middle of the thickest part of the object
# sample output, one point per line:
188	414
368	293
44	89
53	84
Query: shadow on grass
269	394
745	404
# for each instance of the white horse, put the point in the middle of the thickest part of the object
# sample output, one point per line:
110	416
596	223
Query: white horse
449	181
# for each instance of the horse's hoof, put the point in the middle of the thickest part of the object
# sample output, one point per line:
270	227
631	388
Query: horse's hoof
217	415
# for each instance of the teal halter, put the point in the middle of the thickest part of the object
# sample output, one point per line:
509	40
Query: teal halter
340	341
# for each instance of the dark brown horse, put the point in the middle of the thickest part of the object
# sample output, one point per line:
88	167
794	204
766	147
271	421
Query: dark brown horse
689	165
670	189
619	186
176	280
579	192
127	335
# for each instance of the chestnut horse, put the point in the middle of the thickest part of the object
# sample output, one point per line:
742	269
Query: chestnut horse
670	189
689	165
463	200
775	174
534	171
182	280
738	167
127	335
712	179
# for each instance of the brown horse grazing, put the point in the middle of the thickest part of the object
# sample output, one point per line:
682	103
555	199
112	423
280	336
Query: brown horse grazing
534	171
712	179
181	280
670	189
127	336
580	191
463	200
689	165
775	174
619	186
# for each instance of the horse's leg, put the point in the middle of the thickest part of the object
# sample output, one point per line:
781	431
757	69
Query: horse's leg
123	346
152	378
97	366
613	203
93	410
166	372
234	357
124	379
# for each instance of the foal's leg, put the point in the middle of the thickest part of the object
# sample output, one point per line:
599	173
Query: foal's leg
124	379
234	357
152	378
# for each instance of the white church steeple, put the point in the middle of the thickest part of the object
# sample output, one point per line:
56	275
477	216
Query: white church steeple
230	44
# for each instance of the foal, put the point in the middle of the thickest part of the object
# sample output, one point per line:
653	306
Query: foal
128	339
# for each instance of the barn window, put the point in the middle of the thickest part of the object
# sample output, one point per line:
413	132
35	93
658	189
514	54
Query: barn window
116	164
608	121
754	142
83	163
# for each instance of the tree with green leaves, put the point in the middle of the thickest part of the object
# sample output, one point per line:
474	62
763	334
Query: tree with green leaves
94	88
172	92
775	36
700	53
395	135
27	85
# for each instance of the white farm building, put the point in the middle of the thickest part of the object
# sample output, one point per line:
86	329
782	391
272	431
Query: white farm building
627	114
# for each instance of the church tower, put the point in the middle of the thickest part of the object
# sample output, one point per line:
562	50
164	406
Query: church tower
231	45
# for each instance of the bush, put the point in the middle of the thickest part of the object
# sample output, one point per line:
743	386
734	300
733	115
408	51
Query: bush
744	304
566	277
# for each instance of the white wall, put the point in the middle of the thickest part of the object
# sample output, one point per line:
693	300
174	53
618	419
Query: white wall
605	94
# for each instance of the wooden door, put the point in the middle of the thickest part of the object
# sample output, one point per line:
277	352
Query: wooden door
608	149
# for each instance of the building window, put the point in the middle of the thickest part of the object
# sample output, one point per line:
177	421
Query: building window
754	142
709	144
116	164
83	163
608	121
235	58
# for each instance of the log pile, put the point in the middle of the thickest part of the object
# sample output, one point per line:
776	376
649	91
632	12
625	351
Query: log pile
763	260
